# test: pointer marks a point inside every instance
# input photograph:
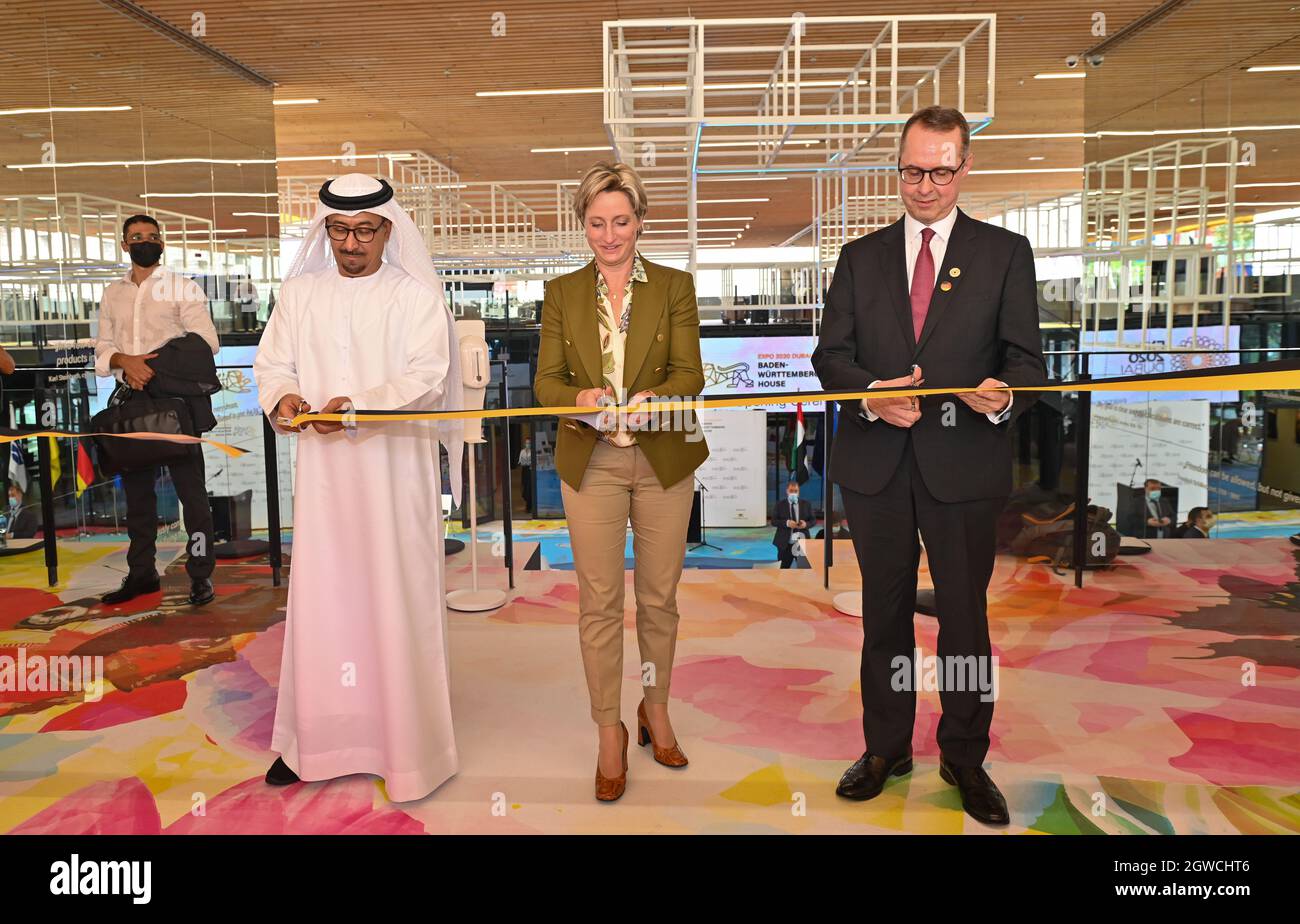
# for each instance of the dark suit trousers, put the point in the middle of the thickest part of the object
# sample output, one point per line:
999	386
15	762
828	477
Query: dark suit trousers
142	517
960	541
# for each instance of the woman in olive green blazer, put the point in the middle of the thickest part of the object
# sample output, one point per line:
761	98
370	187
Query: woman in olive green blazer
624	330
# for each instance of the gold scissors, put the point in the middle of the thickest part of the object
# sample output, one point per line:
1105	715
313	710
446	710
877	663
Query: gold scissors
914	398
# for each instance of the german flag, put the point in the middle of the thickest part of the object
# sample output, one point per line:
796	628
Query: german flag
85	468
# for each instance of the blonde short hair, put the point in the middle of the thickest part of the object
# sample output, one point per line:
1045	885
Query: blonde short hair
607	177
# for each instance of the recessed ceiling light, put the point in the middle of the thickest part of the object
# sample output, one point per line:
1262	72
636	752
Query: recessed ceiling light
204	195
602	147
141	163
304	101
655	221
558	91
1271	68
44	110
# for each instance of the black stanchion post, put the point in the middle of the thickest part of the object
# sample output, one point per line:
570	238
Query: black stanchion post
272	500
7	448
507	517
1083	424
43	449
828	494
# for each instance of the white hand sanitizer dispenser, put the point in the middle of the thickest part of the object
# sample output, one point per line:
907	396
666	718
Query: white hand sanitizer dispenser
476	373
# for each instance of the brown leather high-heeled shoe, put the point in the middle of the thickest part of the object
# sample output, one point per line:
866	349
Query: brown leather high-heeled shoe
669	757
609	789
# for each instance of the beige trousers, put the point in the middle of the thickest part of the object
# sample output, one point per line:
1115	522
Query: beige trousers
620	484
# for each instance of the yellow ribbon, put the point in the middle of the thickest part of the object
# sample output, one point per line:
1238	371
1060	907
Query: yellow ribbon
233	451
1271	379
1279	379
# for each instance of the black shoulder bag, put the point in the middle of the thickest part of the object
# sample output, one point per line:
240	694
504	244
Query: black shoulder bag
131	411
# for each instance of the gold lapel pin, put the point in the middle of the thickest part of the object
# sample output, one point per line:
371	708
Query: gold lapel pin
945	285
954	272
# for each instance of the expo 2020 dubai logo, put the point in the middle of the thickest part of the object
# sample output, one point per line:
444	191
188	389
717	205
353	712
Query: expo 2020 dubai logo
1186	362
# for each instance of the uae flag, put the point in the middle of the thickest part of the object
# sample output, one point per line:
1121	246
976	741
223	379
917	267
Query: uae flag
17	468
799	448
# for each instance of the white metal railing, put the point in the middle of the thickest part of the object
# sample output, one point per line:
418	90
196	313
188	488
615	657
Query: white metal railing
524	220
58	253
1160	228
686	98
787	93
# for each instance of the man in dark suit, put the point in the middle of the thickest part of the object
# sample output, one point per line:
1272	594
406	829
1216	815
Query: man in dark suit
22	520
790	515
1159	512
941	299
1200	520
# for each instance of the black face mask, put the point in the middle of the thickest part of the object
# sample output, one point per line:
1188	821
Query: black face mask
145	253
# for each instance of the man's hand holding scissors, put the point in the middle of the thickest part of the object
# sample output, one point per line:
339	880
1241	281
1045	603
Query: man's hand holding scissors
901	412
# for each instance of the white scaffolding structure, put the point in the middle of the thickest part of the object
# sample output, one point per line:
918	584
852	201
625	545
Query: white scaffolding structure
849	205
513	223
1052	221
58	253
782	291
687	97
1160	229
1150	229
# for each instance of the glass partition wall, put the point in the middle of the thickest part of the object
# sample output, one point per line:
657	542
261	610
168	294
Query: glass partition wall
112	114
1190	212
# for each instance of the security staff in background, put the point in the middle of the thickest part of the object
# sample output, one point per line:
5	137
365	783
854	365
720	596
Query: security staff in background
790	516
1200	520
1159	518
139	313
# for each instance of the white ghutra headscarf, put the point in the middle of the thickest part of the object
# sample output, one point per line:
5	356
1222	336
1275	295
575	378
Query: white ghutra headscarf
357	192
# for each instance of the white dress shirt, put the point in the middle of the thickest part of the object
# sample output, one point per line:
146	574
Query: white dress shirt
137	319
938	247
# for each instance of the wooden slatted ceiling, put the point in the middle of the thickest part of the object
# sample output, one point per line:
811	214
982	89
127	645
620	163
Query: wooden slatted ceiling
402	74
79	52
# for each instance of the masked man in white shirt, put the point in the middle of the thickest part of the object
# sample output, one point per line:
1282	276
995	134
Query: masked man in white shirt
362	325
139	313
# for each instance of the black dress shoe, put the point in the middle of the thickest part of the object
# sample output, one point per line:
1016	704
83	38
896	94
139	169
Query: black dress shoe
866	778
280	774
201	591
132	588
980	796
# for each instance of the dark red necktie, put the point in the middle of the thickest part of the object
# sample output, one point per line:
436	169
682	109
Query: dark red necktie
922	283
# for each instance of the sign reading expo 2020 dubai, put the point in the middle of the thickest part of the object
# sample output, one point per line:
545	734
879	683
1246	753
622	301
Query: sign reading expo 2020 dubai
743	365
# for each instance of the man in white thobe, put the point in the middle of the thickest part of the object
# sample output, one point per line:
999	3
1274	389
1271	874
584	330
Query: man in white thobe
361	325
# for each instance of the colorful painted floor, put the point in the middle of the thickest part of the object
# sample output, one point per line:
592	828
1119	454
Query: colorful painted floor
1122	708
729	549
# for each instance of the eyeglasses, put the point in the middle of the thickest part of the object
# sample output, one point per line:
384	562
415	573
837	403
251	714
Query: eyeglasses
939	176
364	234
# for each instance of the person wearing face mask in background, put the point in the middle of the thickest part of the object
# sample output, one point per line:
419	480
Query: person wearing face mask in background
20	521
791	515
1200	520
139	313
1159	512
